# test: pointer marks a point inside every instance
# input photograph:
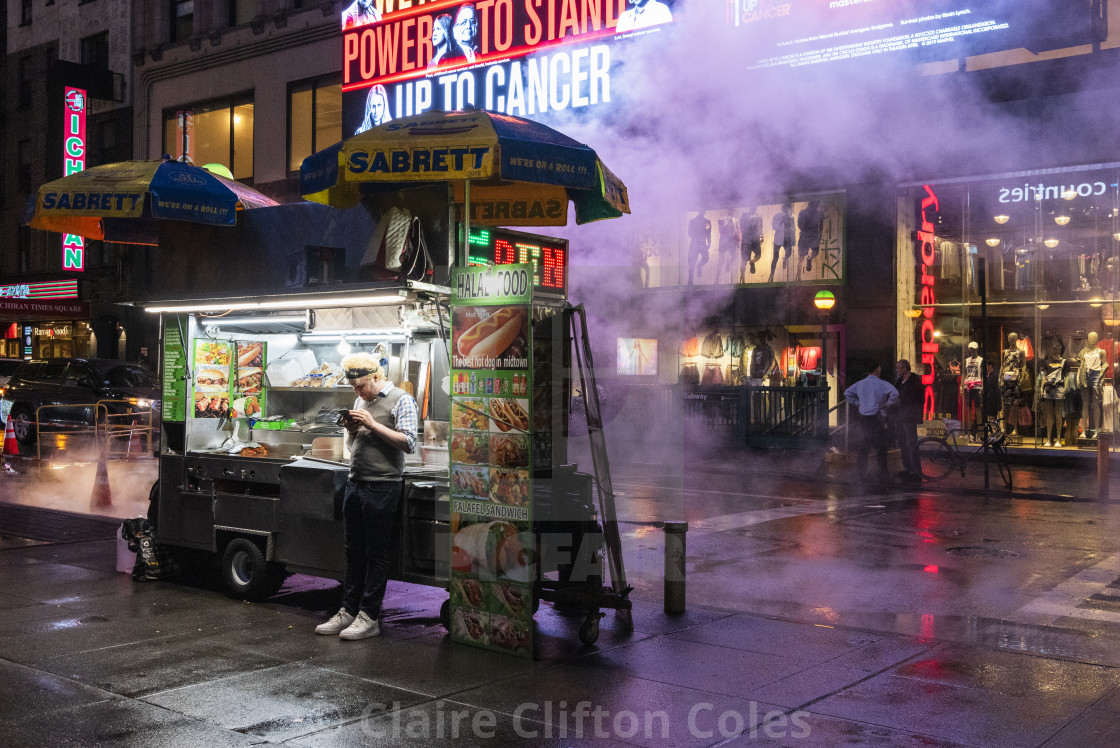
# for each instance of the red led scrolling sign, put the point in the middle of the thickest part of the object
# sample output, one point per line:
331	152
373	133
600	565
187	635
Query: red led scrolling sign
927	282
548	257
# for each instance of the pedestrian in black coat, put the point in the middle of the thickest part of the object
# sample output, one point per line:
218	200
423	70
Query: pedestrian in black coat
910	399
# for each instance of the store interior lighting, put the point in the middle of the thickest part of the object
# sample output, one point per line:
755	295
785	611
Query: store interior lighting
1069	194
1095	302
1051	243
1002	219
1116	236
913	312
343	346
1061	220
992	242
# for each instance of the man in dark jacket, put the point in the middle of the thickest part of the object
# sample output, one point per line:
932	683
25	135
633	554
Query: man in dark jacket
910	399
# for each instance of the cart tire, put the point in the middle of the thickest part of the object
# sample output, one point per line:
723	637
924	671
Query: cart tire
445	614
23	424
245	573
589	630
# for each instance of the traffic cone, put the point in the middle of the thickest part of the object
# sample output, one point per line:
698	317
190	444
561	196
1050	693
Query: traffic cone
11	446
135	446
101	496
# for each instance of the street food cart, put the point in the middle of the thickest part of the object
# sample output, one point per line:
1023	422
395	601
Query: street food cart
252	462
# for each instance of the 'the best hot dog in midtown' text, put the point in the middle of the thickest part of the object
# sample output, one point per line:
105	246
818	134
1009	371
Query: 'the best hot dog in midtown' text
490	338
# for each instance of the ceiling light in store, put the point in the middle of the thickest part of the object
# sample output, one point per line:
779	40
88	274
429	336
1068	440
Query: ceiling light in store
1116	236
1051	243
1061	220
937	333
992	242
1069	194
913	312
1001	218
1043	307
1095	302
343	346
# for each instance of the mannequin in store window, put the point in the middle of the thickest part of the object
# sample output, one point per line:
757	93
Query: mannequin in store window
699	242
763	360
973	384
785	233
728	247
750	238
1013	369
1052	375
1090	380
810	224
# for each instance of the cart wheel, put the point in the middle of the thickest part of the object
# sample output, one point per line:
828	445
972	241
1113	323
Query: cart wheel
445	614
245	573
589	630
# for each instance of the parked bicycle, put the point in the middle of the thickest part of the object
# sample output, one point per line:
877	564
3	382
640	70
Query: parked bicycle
940	455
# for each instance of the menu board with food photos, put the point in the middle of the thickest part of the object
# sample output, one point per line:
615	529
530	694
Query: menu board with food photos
228	379
493	551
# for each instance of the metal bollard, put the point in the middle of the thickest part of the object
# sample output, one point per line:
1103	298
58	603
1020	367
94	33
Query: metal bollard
675	560
1104	454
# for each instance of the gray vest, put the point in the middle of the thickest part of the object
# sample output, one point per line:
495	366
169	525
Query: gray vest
371	458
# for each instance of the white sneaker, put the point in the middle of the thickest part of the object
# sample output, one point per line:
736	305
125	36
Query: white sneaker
338	622
363	627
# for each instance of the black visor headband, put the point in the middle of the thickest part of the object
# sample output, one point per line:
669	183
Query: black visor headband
358	373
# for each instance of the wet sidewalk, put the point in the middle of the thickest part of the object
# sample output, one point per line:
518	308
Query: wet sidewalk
89	657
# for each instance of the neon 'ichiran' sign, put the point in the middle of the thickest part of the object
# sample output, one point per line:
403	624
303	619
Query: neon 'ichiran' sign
928	299
74	160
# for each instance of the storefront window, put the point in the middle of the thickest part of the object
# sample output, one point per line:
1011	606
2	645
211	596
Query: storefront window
314	117
212	132
1020	272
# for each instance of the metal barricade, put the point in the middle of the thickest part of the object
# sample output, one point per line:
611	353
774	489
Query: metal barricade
786	416
91	431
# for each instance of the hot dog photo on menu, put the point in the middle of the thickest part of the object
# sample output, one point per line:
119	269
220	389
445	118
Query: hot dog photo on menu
490	337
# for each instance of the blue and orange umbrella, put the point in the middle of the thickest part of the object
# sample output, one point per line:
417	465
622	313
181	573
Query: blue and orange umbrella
124	201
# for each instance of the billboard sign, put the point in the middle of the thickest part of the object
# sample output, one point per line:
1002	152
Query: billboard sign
795	33
520	58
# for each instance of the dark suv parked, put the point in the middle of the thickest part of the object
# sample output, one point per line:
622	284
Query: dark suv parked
77	382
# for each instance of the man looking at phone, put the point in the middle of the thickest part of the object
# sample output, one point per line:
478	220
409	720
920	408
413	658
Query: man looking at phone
380	430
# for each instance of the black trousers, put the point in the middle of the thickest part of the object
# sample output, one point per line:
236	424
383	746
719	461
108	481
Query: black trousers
369	514
873	435
908	446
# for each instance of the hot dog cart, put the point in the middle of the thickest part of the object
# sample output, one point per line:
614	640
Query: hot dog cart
252	460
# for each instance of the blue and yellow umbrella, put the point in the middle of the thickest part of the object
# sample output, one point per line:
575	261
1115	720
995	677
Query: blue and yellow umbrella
511	171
